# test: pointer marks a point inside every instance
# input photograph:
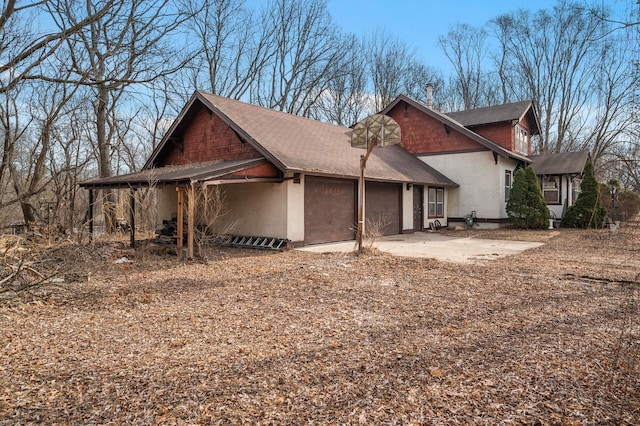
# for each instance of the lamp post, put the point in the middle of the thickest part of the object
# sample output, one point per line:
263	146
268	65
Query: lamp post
613	191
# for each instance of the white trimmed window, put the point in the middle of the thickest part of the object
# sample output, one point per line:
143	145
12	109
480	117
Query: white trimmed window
522	140
551	189
436	202
575	189
507	184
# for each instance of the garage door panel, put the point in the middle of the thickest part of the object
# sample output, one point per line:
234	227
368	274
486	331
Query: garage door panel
383	205
329	209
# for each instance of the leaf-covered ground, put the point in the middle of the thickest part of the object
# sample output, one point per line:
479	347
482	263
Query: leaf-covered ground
548	336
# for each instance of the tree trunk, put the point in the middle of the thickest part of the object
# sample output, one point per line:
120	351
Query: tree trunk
104	160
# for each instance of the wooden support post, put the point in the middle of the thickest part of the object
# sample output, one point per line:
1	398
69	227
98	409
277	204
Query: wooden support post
91	215
180	219
190	220
132	217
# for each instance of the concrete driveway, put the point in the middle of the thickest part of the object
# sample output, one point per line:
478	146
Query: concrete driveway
434	245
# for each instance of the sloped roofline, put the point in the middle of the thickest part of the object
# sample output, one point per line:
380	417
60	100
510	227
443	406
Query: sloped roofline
199	96
444	119
249	128
560	163
487	115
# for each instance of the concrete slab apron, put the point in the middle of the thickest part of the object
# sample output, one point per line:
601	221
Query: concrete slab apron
433	245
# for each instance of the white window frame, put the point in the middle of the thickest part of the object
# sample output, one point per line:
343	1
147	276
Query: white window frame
508	184
575	189
522	139
436	202
551	184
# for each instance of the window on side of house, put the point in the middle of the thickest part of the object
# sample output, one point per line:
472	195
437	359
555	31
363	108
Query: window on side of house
522	140
436	202
551	189
575	189
507	184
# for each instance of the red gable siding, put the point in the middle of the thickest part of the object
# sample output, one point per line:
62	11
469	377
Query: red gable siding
207	138
500	133
422	134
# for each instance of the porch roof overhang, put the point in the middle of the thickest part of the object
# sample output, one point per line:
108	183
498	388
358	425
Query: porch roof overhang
219	171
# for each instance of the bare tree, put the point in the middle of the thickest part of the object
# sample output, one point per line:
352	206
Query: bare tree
68	159
23	49
128	46
416	85
466	48
389	66
234	46
552	51
306	46
346	100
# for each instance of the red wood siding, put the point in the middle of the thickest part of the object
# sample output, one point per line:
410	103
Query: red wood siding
422	134
500	133
207	138
267	170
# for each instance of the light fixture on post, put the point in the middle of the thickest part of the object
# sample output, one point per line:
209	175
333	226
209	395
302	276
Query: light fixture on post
409	186
613	189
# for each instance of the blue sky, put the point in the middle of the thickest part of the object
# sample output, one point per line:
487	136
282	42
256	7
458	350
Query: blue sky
420	22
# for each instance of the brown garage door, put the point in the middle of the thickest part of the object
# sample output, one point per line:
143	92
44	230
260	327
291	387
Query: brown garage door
383	205
329	209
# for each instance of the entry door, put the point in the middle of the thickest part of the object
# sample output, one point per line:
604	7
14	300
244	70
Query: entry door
418	203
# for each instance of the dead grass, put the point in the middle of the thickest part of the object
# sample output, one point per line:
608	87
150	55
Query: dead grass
548	336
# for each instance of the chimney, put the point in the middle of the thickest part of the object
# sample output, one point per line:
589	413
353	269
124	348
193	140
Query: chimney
430	95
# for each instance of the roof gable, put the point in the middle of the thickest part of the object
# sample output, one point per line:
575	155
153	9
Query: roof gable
515	111
458	127
297	144
559	163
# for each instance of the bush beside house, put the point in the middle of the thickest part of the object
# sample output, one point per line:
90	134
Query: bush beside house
588	211
526	207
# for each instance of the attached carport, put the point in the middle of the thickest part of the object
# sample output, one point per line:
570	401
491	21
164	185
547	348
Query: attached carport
185	178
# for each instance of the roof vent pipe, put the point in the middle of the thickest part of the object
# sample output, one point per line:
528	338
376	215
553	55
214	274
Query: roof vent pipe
430	95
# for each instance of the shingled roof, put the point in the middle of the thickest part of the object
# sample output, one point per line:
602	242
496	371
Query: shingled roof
297	144
497	114
182	174
560	164
459	127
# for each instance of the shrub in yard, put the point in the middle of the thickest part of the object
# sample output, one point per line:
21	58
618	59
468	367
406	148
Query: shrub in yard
623	206
588	211
526	207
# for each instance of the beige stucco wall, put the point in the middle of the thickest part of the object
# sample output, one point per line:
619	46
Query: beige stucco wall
258	208
295	210
481	183
166	203
407	208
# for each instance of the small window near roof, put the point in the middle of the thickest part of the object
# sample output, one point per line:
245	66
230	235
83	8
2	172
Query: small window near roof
522	140
551	189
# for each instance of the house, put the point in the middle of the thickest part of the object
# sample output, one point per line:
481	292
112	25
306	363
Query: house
560	176
295	178
479	149
284	176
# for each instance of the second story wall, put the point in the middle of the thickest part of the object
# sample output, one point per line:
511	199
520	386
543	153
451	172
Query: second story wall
422	134
500	133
